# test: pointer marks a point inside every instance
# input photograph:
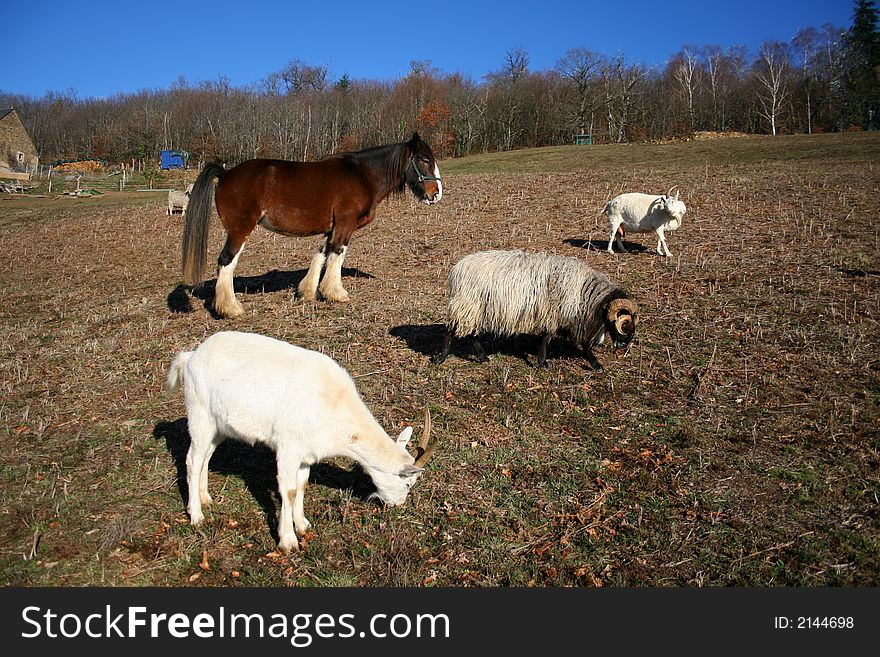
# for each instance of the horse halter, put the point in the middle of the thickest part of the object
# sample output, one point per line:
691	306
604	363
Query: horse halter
422	177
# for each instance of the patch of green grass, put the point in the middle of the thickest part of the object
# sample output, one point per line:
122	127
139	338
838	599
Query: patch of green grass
763	150
804	482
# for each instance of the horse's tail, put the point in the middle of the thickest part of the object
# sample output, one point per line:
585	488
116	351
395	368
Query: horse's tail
195	226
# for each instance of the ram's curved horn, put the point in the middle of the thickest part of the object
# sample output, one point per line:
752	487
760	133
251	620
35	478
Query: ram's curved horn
621	324
622	312
619	306
425	448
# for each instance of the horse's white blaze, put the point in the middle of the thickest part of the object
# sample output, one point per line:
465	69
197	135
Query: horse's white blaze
225	302
439	184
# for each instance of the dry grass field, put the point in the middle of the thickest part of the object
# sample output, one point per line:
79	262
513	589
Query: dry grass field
735	442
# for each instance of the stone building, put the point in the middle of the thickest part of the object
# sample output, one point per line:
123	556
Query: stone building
18	155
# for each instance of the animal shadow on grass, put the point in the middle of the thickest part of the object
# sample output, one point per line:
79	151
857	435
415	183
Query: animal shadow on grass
428	341
273	281
602	245
424	339
859	273
257	468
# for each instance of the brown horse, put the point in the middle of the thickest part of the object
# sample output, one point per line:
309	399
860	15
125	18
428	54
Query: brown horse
334	196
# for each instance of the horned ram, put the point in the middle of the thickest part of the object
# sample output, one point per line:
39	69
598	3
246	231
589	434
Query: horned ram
643	213
507	293
298	402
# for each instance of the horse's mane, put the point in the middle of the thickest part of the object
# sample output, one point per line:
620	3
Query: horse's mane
386	163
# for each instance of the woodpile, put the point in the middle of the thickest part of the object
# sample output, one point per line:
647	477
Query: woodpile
80	165
702	135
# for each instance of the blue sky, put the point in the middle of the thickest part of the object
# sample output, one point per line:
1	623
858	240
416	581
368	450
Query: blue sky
99	49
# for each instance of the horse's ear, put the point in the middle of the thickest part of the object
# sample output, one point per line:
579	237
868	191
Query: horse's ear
415	138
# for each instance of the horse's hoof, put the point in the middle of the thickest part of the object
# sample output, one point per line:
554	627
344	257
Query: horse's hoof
229	313
336	296
232	313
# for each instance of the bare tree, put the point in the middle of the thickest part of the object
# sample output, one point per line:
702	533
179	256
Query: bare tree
771	69
282	116
580	67
723	74
713	56
685	69
271	85
806	45
299	76
831	57
506	96
619	84
468	107
516	65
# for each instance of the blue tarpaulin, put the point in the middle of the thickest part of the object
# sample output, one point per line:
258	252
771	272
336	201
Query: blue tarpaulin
174	159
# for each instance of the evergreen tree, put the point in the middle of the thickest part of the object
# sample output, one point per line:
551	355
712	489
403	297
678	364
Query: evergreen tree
863	66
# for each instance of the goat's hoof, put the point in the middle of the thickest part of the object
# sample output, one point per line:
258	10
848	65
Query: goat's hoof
289	546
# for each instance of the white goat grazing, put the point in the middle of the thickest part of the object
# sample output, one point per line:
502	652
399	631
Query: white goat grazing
643	213
178	200
300	403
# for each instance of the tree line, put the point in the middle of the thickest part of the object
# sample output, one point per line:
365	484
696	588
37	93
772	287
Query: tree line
823	79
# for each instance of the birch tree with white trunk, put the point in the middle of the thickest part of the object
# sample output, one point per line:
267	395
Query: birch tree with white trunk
772	68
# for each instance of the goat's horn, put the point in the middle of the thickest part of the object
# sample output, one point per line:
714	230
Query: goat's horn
669	193
425	448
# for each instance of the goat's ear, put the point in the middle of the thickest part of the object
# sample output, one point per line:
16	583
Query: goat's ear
409	471
405	435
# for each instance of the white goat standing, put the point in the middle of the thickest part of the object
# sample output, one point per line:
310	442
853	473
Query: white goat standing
300	403
178	200
643	213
